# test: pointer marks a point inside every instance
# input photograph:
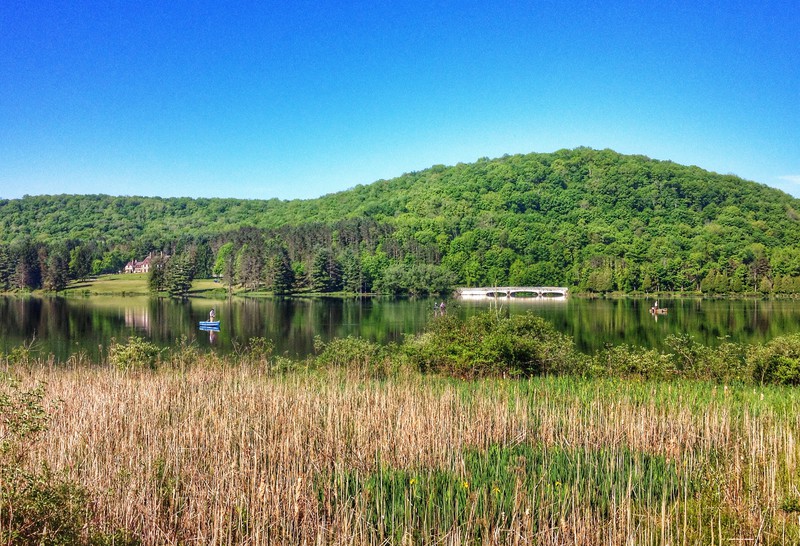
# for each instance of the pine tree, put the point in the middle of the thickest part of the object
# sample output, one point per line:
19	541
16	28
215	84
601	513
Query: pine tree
351	272
203	259
27	274
178	276
709	283
55	272
281	272
325	272
156	280
6	268
250	266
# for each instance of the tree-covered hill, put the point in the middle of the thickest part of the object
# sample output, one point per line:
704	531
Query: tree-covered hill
48	218
594	220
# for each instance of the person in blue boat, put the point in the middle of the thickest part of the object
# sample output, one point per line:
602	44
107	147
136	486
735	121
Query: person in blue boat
212	315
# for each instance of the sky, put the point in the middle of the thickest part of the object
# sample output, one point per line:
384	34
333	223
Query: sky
297	99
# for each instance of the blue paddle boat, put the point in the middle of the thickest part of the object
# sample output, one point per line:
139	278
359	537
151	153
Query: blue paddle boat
209	325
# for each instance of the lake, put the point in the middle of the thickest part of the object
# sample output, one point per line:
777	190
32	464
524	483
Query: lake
62	326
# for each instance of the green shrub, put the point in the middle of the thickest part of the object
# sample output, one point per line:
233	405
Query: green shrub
627	361
38	507
24	354
184	354
260	350
696	361
355	354
22	416
135	354
728	363
491	345
776	362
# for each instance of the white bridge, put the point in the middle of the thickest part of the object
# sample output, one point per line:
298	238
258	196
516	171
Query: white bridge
513	291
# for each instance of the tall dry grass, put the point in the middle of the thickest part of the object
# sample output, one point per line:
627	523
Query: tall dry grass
219	454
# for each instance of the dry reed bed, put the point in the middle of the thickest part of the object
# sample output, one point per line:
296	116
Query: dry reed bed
231	456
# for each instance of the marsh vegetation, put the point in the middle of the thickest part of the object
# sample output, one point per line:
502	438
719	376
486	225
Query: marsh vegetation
357	445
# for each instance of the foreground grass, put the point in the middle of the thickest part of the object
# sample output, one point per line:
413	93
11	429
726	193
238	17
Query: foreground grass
210	451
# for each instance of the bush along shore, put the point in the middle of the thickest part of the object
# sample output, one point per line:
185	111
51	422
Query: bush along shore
491	430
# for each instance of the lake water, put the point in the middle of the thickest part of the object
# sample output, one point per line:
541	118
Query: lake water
63	326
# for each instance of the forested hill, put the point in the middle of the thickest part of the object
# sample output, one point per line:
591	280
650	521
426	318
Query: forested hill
595	220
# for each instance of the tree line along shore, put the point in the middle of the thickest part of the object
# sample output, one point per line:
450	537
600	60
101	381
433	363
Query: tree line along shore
594	220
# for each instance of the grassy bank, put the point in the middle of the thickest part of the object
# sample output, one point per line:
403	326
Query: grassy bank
216	451
135	284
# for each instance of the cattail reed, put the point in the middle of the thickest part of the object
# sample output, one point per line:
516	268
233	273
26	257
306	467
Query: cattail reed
209	452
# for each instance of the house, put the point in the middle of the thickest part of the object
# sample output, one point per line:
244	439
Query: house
135	266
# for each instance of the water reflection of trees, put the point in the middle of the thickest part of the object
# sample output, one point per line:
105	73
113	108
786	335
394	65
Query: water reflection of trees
62	326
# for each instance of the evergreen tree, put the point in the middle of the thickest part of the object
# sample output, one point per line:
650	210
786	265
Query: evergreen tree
760	271
55	272
722	283
203	260
6	268
325	272
351	272
710	283
739	279
281	272
27	274
250	266
178	276
156	279
300	275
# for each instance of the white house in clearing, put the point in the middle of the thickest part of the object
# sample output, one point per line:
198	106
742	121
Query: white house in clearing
135	266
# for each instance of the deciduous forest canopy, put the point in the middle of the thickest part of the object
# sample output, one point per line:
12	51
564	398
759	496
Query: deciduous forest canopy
594	220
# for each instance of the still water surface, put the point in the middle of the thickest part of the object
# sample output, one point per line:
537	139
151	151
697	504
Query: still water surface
62	326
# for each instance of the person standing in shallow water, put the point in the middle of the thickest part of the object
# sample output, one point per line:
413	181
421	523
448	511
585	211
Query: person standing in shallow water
212	315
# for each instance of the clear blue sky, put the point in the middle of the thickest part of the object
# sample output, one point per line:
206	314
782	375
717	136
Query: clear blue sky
298	99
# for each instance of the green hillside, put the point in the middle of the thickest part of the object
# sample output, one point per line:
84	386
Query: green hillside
594	220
